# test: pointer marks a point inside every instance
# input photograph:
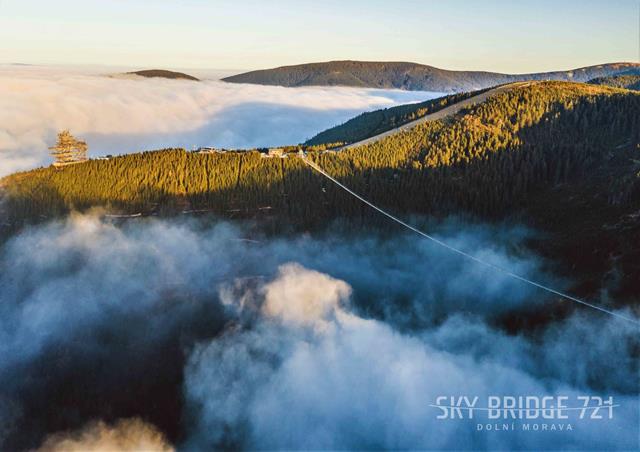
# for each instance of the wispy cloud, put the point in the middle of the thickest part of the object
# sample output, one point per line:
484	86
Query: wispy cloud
127	435
340	341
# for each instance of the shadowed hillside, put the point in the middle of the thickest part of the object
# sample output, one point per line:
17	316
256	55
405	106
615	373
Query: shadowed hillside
410	76
374	122
619	81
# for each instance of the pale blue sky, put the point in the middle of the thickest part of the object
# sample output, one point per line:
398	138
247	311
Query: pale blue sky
508	36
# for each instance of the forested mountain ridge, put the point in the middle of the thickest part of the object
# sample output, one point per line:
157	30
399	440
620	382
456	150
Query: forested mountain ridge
563	156
410	76
619	81
549	121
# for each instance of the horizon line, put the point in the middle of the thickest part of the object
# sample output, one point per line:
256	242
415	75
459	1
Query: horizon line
244	70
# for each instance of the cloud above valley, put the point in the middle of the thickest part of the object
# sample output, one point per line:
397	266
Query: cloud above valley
330	379
334	341
118	115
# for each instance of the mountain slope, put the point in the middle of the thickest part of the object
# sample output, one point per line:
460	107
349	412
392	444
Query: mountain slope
619	81
409	76
562	157
364	129
372	123
552	128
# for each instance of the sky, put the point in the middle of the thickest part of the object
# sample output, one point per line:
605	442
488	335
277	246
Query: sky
507	36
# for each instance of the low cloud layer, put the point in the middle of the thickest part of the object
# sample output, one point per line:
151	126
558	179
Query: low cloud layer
330	379
339	341
118	115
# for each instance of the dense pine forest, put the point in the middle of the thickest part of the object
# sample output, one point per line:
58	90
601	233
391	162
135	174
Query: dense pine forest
564	155
630	81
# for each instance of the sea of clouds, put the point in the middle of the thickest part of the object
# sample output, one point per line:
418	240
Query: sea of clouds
118	115
163	333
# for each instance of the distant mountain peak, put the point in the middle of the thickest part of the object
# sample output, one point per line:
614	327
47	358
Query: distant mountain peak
410	76
163	73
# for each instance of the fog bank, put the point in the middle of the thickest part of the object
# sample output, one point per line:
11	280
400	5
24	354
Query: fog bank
332	341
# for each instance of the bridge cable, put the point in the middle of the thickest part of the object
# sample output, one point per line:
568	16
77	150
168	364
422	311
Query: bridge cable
315	167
